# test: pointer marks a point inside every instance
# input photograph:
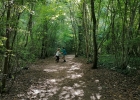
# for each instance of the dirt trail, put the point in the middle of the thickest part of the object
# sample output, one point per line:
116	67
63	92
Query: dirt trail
71	80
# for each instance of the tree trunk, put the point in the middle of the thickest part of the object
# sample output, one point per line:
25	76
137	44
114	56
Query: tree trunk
124	62
95	57
85	30
6	62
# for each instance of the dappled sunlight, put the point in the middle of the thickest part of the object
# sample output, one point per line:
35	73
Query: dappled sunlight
50	70
76	85
99	88
98	96
80	84
65	88
56	69
97	81
70	71
51	81
43	89
74	76
21	95
76	66
50	87
95	96
62	67
33	93
52	90
69	93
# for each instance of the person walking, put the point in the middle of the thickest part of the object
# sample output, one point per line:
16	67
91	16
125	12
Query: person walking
57	54
64	54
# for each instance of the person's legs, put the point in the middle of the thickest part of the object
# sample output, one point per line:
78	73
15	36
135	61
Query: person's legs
57	58
64	58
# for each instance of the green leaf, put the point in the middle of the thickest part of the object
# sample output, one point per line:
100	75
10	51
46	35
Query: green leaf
13	77
1	44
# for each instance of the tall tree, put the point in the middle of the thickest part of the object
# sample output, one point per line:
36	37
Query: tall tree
95	57
8	31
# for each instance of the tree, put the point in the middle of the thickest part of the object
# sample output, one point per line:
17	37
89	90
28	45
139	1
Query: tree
95	57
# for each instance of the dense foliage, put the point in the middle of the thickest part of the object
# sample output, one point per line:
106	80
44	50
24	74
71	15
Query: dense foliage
101	29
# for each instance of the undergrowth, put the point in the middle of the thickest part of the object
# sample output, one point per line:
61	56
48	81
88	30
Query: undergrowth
109	62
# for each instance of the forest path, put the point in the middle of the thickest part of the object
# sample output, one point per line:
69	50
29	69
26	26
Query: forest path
65	81
71	80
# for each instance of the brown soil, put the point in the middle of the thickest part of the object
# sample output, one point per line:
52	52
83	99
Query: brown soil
72	80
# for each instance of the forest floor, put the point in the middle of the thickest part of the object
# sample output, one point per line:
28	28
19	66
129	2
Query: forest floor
72	80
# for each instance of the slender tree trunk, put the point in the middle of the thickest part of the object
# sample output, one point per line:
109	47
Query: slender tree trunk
29	28
138	31
124	62
85	30
133	9
112	30
15	31
43	50
95	57
30	23
6	62
99	12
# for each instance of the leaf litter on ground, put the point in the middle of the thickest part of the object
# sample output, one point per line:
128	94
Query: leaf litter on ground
72	80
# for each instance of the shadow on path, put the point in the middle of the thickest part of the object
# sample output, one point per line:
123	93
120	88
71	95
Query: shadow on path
66	83
72	80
